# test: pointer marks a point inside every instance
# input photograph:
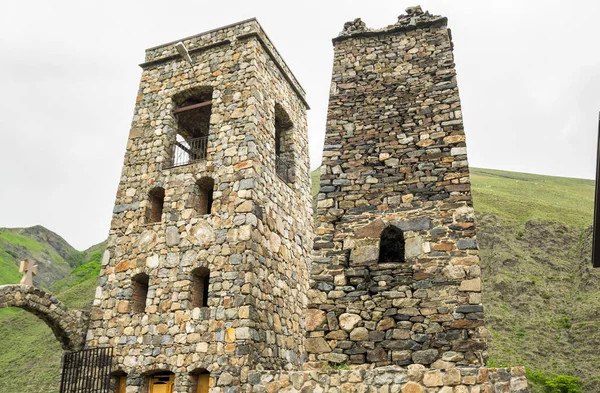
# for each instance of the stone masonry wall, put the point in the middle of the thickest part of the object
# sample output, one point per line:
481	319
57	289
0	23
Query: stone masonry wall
256	249
391	379
395	155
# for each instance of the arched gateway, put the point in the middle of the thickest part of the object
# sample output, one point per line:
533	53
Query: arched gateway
69	327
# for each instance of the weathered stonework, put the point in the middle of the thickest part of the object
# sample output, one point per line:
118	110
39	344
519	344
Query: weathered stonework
414	379
277	313
395	156
255	242
69	327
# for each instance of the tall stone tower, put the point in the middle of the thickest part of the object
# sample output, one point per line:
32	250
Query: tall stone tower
395	274
206	269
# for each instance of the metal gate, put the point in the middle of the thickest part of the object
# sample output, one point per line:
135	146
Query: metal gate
86	371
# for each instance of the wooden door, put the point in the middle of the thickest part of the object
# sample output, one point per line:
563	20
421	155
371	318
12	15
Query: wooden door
203	382
161	384
122	384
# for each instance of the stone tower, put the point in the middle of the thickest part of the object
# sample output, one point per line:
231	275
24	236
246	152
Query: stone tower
395	273
206	268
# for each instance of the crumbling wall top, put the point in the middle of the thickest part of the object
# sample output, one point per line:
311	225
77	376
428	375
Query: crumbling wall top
414	18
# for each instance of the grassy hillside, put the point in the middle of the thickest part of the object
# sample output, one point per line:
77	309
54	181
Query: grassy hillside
29	353
520	197
53	255
541	294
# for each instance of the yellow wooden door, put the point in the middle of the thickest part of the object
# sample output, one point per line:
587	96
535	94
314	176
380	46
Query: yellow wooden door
122	387
161	384
203	383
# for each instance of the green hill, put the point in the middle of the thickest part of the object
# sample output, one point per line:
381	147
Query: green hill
29	353
520	197
541	294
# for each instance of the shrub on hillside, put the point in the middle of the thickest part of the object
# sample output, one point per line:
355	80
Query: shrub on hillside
564	384
558	384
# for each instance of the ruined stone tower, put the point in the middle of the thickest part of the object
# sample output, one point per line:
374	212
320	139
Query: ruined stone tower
395	273
206	269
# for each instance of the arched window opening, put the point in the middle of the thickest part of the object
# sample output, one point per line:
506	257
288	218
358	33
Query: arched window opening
284	145
140	292
200	281
391	246
118	382
193	110
201	379
155	209
162	382
205	195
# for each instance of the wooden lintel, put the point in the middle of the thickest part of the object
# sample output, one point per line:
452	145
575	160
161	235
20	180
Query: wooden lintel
194	106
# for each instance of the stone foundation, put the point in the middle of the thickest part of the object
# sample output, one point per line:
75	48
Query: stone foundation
413	379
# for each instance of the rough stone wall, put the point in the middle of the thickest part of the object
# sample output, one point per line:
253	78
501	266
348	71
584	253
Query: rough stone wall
395	155
256	253
69	327
414	379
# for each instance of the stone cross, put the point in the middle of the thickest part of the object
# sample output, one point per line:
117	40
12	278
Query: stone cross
29	270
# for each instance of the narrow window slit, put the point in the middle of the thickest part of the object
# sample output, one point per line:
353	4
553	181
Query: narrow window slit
391	245
140	292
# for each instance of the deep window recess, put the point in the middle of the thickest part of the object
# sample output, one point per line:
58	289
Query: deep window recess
200	281
193	122
201	381
391	246
118	382
284	145
205	195
140	292
155	208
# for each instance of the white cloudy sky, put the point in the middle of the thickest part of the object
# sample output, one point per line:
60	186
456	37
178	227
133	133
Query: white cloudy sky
528	73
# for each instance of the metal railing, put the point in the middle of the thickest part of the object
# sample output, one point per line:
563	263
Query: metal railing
283	169
86	371
189	151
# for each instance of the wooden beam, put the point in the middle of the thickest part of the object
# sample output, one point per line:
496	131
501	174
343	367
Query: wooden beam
190	107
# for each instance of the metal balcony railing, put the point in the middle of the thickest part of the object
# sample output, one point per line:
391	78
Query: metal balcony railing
88	370
189	151
283	169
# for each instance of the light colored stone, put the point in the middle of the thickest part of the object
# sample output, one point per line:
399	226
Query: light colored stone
314	319
412	387
471	285
349	321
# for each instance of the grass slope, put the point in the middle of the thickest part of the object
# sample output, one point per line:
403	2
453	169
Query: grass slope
521	197
41	246
30	355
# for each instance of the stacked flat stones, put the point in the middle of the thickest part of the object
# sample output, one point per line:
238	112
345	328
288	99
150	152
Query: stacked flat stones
395	155
256	243
414	379
69	327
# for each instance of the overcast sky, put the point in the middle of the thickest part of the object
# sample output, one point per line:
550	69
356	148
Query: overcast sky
528	74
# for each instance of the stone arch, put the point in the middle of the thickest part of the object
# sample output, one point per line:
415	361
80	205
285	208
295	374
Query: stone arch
69	327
